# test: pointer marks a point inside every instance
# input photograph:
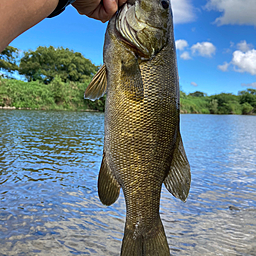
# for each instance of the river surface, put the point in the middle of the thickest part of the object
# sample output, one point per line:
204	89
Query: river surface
49	162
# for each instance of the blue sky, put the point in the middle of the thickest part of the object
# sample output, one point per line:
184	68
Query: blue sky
215	40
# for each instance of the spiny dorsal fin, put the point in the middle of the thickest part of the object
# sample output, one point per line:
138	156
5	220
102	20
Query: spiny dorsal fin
98	86
178	179
108	187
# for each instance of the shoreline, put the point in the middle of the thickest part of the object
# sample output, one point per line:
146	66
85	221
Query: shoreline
182	112
81	110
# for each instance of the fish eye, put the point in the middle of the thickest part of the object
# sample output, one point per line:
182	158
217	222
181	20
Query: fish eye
165	4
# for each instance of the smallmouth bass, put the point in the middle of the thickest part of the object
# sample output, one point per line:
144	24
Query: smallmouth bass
142	146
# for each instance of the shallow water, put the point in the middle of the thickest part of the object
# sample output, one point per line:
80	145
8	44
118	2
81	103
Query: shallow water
49	162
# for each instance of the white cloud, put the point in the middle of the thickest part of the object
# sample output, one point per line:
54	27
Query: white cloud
244	47
245	62
204	49
241	12
250	85
224	67
183	11
185	56
181	44
194	84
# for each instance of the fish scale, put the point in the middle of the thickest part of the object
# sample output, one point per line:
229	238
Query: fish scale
144	120
142	146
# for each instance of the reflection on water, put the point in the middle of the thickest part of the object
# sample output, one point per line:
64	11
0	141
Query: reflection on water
49	162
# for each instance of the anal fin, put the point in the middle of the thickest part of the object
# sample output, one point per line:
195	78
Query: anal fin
108	186
178	179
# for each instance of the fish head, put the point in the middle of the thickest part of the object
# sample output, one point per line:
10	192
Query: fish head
145	25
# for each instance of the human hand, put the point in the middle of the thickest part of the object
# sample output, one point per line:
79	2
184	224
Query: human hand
102	10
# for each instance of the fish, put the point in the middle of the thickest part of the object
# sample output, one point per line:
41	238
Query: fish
143	147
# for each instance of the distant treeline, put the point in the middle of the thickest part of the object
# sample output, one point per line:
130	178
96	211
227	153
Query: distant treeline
57	78
224	103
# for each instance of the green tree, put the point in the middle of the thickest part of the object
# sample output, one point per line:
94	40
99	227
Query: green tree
252	91
61	91
197	94
183	94
46	63
246	108
213	106
248	96
228	103
8	59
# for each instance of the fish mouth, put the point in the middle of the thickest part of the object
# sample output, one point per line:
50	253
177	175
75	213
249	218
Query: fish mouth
128	25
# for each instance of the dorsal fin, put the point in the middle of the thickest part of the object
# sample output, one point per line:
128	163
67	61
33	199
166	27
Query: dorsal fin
98	86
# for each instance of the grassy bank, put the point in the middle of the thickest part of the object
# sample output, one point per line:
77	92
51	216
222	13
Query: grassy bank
58	95
53	96
194	105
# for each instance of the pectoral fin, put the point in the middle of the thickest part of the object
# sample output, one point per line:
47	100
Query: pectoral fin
132	84
98	86
178	179
108	186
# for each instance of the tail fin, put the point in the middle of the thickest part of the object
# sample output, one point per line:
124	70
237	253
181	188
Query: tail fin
152	244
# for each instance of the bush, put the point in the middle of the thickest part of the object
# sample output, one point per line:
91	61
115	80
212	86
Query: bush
54	96
213	106
246	108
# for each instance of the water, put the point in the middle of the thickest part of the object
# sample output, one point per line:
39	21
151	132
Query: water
49	162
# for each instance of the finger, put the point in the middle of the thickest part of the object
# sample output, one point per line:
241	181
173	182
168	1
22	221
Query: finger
105	10
110	6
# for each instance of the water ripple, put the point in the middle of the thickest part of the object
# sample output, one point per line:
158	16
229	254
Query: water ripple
49	162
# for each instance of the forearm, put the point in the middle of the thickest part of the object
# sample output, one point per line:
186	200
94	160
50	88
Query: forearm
17	16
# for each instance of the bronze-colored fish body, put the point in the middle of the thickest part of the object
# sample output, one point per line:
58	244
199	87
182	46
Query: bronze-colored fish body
143	146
